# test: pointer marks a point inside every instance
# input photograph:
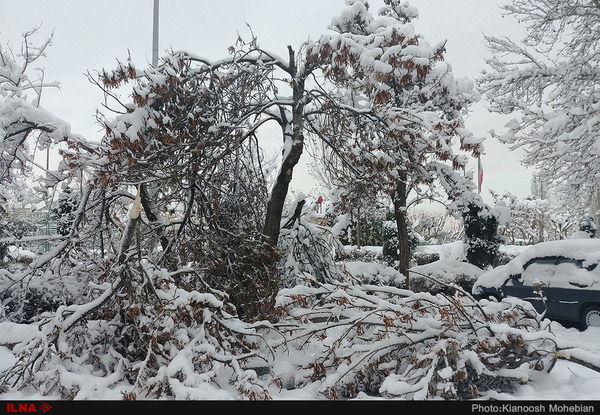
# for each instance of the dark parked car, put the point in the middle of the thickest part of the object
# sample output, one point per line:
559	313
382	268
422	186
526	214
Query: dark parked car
560	278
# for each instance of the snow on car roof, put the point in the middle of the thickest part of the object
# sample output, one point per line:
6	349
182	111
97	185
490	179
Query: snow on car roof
587	250
569	248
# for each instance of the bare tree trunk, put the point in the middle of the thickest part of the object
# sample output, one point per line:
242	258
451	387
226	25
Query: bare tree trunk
295	140
153	218
402	226
358	228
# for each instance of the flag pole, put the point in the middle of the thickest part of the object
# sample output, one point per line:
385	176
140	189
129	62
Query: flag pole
479	174
155	35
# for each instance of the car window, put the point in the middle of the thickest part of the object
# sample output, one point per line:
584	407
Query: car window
570	273
539	270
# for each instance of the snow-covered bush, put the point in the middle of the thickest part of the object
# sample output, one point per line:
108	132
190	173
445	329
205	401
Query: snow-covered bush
365	254
391	241
443	275
372	273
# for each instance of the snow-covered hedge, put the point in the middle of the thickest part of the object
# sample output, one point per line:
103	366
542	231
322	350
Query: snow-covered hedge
439	275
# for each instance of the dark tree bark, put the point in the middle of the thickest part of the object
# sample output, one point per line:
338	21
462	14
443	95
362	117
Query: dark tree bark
400	201
147	204
291	157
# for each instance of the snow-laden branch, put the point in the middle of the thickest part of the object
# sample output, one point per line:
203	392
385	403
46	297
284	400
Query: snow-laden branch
397	343
253	56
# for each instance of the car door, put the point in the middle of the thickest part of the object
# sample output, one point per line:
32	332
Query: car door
532	284
571	286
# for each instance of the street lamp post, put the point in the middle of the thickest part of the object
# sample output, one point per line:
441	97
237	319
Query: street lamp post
155	35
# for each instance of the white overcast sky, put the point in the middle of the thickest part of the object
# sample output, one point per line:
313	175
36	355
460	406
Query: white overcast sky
91	35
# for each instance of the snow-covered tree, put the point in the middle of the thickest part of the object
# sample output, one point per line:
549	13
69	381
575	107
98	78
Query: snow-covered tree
527	216
66	207
25	126
287	92
562	224
408	107
363	205
309	249
433	227
188	143
549	80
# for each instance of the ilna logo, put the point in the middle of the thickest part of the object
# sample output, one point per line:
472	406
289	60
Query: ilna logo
27	407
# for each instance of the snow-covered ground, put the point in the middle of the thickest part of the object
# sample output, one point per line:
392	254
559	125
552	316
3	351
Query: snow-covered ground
566	381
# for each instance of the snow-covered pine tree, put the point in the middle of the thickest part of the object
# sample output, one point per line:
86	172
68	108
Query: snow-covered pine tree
66	206
481	238
588	225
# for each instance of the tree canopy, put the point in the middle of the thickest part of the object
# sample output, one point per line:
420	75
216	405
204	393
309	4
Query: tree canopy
549	80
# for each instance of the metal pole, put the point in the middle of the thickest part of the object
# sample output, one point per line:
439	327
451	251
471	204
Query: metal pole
155	35
479	177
